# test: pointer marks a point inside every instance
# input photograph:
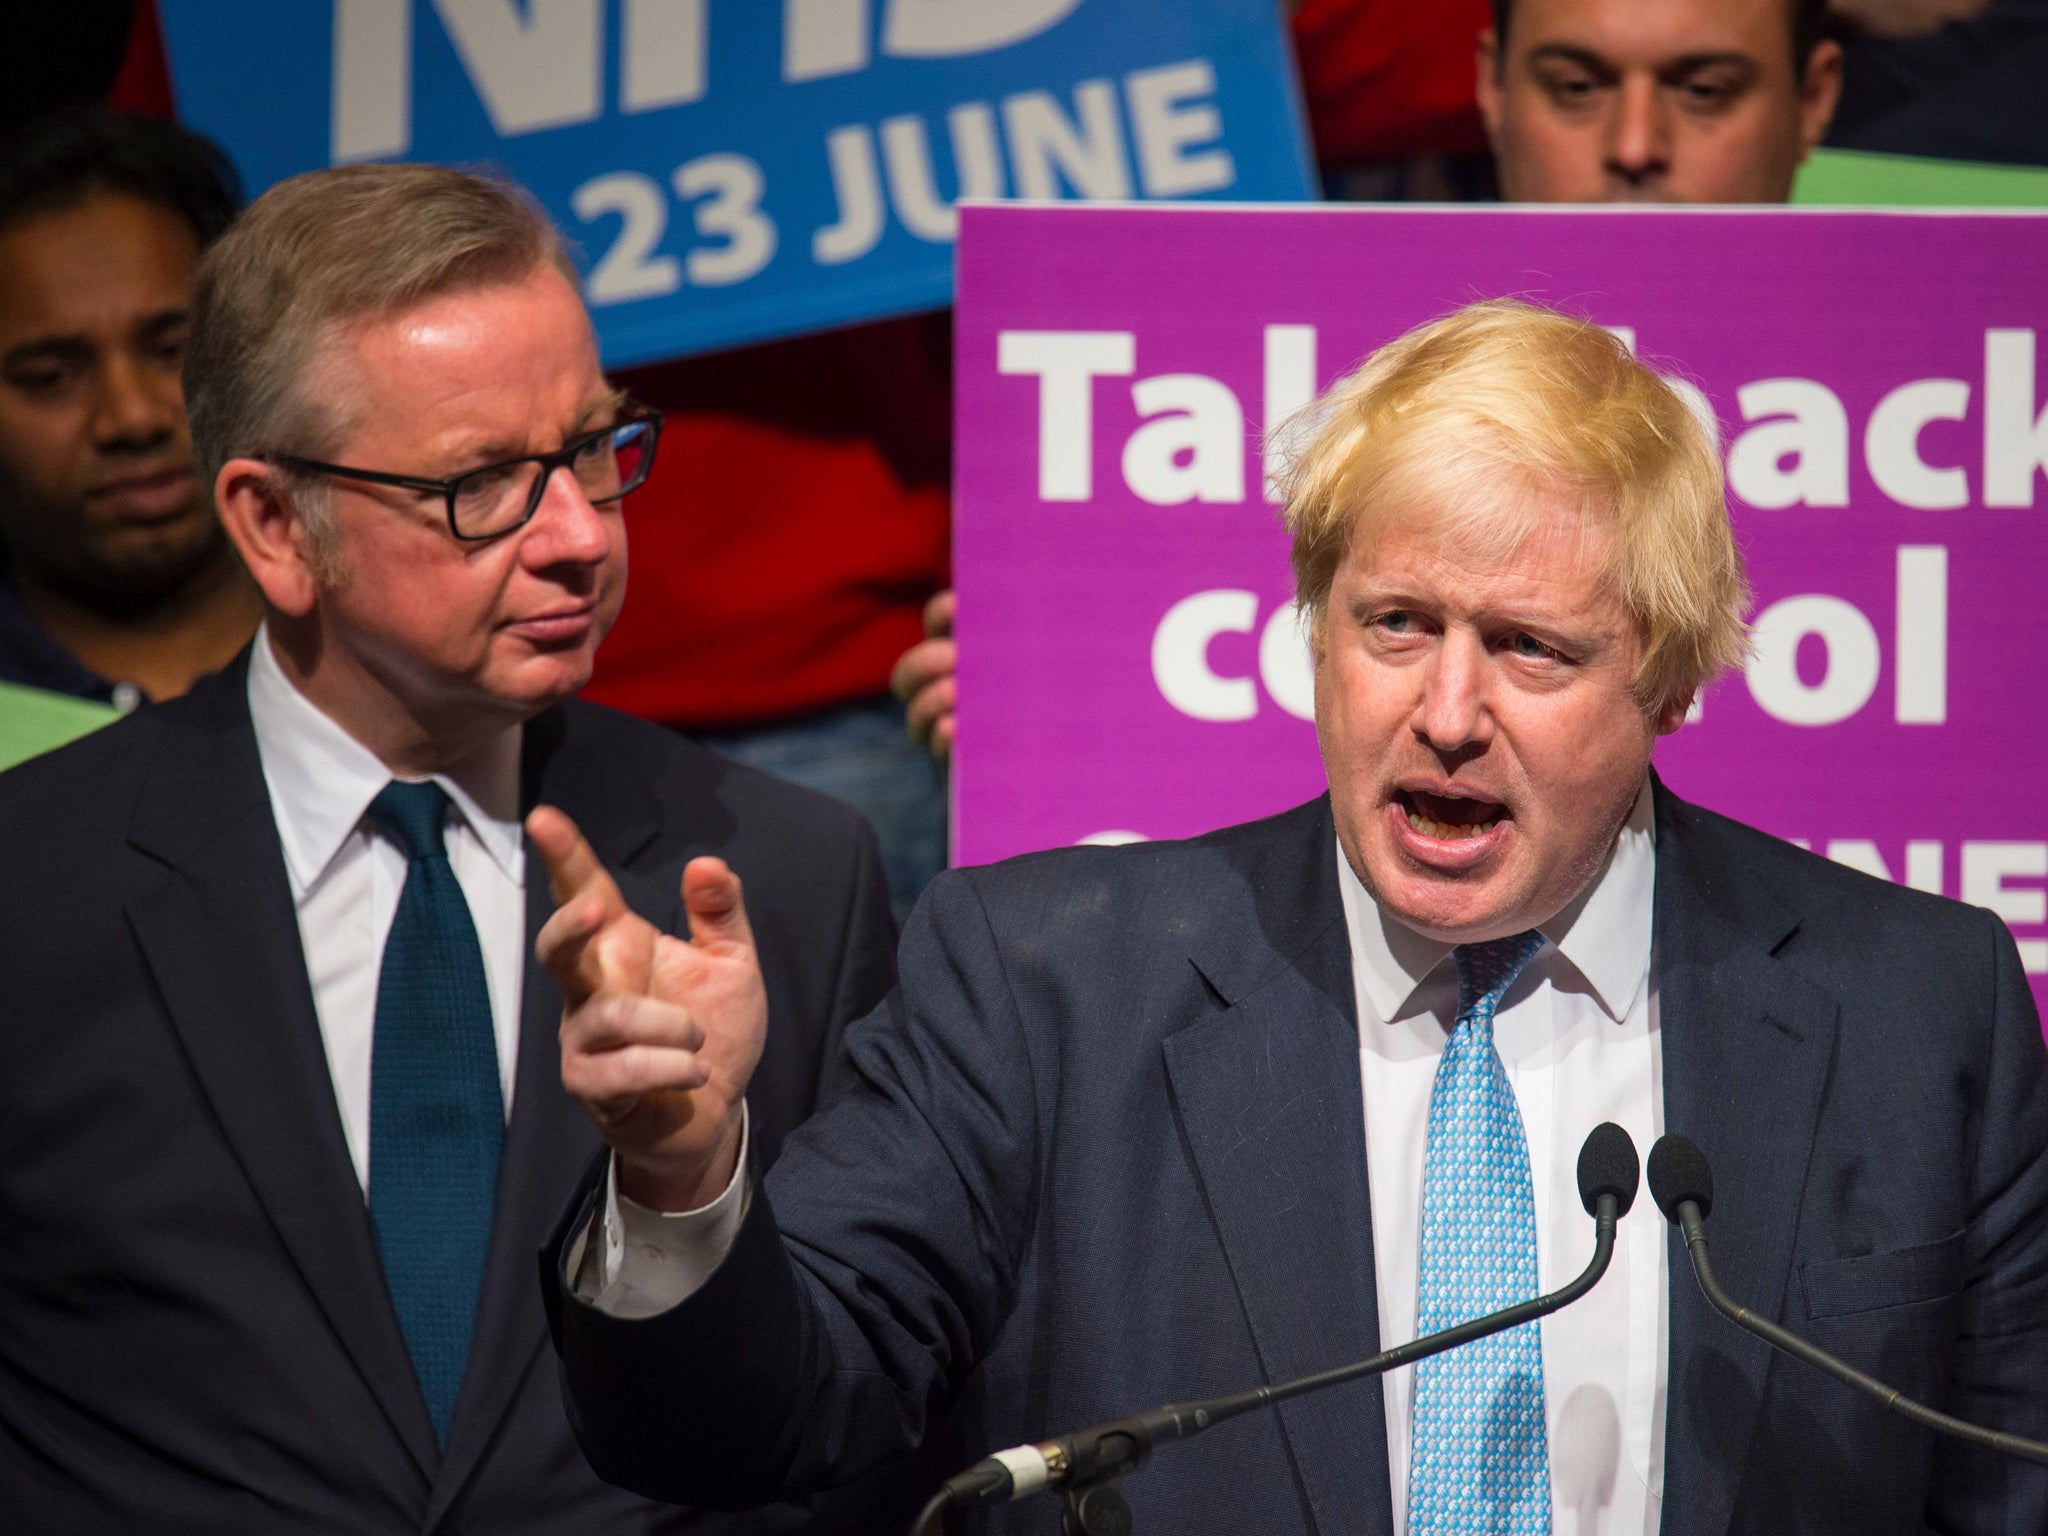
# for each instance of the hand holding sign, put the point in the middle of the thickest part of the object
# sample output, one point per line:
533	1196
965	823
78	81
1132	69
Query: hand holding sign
659	1035
923	678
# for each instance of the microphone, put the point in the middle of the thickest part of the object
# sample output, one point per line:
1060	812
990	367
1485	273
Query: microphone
1088	1461
1683	1186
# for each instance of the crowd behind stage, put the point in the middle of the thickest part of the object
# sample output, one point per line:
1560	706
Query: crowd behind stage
791	548
379	861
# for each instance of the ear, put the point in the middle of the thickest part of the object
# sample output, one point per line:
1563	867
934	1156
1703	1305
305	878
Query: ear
1672	715
1488	63
1820	89
269	533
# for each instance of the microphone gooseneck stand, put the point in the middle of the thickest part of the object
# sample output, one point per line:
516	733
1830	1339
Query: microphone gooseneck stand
1683	1186
1086	1465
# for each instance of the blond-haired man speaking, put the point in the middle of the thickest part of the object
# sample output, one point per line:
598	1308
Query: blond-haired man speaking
1145	1124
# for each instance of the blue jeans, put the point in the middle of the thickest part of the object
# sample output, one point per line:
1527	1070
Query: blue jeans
860	753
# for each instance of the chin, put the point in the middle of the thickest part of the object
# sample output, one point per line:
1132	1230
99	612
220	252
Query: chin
1452	912
541	682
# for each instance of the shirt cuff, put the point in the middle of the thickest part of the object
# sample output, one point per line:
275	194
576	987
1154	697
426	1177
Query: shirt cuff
649	1261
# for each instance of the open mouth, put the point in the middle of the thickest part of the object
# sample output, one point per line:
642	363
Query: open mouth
1450	818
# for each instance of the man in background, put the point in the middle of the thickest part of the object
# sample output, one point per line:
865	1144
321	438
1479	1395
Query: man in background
119	583
281	1124
1679	101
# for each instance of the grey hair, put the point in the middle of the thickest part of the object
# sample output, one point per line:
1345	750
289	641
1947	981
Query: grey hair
313	254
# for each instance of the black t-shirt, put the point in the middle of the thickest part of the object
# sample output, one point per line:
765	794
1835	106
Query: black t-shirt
30	657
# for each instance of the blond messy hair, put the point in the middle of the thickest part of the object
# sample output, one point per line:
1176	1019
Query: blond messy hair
1517	404
316	253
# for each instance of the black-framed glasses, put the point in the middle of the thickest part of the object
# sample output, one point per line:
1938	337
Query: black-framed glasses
493	499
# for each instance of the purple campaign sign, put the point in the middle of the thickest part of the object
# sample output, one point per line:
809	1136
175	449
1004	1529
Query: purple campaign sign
1130	666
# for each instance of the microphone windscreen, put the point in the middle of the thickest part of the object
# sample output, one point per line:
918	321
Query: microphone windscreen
1678	1173
1608	1166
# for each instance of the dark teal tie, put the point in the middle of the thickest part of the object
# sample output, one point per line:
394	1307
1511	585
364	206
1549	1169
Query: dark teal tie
437	1119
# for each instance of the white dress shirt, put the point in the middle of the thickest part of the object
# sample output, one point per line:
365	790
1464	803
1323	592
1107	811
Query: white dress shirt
1577	1035
346	876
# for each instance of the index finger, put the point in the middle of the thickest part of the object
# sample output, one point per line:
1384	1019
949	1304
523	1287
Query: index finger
573	865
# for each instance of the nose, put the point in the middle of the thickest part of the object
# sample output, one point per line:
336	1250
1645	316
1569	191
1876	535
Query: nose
567	529
134	406
1453	714
1638	147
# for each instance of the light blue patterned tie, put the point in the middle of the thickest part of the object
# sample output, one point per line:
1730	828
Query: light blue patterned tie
1479	1461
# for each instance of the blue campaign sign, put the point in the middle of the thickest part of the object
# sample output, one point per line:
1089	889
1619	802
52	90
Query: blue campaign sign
735	170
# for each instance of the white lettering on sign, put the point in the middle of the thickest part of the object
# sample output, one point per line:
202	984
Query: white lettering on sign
1848	674
1796	453
1067	364
1808	428
1172	110
912	182
1191	446
544	69
629	269
1085	151
1190	442
539	64
730	213
1795	447
724	193
1047	147
936	29
851	154
1851	657
914	190
1987	867
2015	435
372	113
1286	664
1891	444
823	38
1189	681
1920	636
662	48
1290	386
1180	655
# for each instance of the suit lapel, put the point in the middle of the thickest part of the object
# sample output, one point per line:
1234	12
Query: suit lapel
1268	1096
1747	1044
221	940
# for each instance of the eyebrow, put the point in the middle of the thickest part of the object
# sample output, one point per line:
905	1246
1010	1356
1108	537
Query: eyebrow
606	404
67	349
75	346
610	403
1684	64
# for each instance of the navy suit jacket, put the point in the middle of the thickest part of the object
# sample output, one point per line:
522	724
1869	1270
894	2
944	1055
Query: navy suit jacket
1107	1151
195	1333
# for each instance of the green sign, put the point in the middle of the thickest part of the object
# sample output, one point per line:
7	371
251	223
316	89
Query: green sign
34	721
1843	176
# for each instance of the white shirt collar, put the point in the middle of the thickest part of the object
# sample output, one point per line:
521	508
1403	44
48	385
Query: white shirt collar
1604	932
322	779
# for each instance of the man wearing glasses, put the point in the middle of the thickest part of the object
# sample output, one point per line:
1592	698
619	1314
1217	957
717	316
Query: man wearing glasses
281	1126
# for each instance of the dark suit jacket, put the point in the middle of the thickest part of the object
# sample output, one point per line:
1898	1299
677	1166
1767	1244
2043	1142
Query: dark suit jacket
1107	1151
195	1333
